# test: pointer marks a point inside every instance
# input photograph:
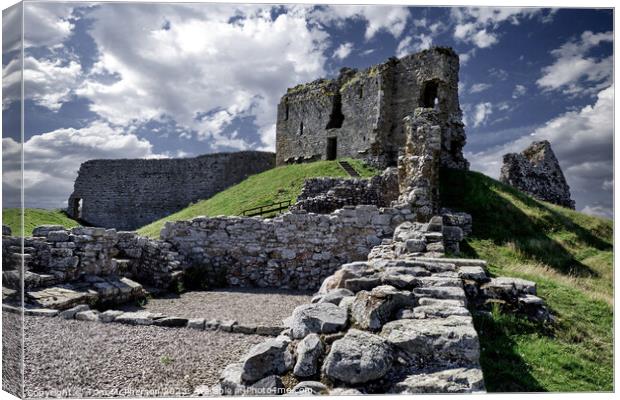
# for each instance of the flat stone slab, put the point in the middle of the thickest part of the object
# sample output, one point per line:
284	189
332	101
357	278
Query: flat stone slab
61	297
457	380
317	318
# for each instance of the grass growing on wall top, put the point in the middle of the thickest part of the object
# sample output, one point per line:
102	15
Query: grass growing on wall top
570	257
34	217
275	185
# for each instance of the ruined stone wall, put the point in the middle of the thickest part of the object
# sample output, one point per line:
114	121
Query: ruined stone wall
363	111
295	250
324	195
128	194
537	172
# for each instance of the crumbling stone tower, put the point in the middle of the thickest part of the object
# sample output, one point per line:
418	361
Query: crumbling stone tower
361	114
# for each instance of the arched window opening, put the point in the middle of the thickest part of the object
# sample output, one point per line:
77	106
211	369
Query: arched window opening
301	128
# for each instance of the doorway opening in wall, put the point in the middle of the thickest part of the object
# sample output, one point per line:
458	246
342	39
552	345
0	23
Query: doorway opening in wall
76	208
332	148
429	94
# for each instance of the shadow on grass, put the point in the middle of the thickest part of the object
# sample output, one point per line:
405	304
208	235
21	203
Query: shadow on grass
503	368
499	220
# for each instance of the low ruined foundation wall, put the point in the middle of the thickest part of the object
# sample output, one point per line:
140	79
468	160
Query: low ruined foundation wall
296	250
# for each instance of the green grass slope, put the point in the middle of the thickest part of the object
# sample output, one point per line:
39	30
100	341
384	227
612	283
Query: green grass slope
34	217
278	184
570	257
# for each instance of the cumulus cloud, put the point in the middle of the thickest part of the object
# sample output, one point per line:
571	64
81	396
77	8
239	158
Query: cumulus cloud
580	139
343	50
389	19
573	71
193	64
411	44
477	25
52	160
47	24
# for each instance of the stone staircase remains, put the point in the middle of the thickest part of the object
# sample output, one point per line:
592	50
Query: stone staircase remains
349	168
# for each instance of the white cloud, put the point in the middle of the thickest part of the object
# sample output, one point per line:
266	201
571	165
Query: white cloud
202	70
479	87
582	141
518	91
476	25
52	160
608	184
343	50
48	83
482	111
598	211
391	19
47	24
573	70
411	44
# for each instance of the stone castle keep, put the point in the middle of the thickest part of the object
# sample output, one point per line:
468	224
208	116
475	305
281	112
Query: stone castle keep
128	194
360	113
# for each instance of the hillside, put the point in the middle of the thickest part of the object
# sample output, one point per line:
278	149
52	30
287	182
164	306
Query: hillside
34	217
278	184
570	256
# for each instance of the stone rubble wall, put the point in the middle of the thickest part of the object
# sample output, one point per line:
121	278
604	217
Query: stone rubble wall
325	195
296	250
537	172
396	323
418	168
128	194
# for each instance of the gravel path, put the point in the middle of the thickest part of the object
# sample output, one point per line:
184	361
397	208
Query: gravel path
11	353
251	306
68	358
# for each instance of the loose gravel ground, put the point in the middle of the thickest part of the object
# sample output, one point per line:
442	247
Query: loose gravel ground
11	353
68	358
252	306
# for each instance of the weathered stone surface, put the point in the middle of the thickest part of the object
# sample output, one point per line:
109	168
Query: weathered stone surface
196	323
172	184
308	352
357	358
508	288
70	313
230	380
6	231
441	292
308	388
451	339
439	311
333	296
109	315
317	318
269	386
344	113
137	318
473	273
270	357
537	171
88	315
457	380
371	310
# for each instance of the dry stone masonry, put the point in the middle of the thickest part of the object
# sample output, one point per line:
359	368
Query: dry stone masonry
536	171
360	113
128	194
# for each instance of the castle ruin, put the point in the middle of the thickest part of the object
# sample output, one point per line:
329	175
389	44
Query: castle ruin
360	114
128	194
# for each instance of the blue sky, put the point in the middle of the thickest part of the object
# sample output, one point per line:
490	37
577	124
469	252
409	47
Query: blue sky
174	80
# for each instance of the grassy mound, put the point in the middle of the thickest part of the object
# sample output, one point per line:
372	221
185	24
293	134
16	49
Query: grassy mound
278	184
570	256
34	217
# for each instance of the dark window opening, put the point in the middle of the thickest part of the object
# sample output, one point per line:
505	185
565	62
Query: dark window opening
332	148
301	128
286	111
76	208
336	118
429	94
360	91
